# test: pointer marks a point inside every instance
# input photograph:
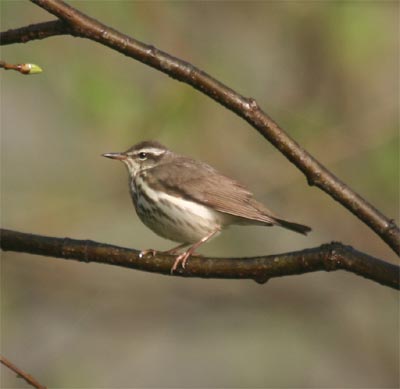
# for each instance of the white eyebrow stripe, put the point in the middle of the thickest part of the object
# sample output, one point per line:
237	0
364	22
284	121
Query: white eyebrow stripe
150	150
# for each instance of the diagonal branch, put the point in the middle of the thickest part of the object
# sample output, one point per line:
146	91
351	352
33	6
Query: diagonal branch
76	23
34	31
27	377
328	257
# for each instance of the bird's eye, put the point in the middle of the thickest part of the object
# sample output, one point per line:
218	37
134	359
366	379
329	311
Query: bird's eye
142	155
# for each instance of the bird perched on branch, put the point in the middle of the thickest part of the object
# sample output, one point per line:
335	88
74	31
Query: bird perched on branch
188	201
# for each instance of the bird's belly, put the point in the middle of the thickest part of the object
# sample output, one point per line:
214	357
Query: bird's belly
175	218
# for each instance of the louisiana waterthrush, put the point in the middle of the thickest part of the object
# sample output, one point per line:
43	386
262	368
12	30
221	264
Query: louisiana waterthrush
188	201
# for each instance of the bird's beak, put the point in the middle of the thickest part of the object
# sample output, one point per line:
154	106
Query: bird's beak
119	156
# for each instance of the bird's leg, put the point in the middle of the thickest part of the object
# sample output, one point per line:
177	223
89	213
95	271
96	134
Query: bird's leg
172	251
154	252
176	249
182	258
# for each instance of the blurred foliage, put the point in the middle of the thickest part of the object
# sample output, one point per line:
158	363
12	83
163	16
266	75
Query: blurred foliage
326	71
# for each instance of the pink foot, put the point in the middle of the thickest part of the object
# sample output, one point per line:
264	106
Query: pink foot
181	258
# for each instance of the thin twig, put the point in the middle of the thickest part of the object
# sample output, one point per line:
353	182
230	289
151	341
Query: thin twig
23	68
328	257
79	24
27	377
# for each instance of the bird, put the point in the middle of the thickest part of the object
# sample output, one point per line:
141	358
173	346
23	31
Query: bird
188	201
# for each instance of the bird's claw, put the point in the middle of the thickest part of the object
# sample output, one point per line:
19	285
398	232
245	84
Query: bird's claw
182	258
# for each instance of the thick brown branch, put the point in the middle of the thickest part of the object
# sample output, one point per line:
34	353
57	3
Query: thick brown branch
328	257
86	27
34	31
27	377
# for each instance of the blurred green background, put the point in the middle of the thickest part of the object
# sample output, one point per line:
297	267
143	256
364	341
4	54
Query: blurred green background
326	71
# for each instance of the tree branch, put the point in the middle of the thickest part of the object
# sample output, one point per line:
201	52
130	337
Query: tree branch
34	31
79	24
328	257
27	377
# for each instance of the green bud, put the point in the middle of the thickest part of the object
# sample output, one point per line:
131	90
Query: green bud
30	68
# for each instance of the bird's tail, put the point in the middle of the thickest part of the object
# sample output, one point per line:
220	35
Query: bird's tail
300	228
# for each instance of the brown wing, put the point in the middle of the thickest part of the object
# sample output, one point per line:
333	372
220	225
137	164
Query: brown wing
197	181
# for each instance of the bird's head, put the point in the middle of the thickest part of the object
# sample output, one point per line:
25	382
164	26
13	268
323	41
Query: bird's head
141	156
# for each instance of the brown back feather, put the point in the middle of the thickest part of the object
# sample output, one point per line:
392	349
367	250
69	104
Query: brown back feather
200	182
